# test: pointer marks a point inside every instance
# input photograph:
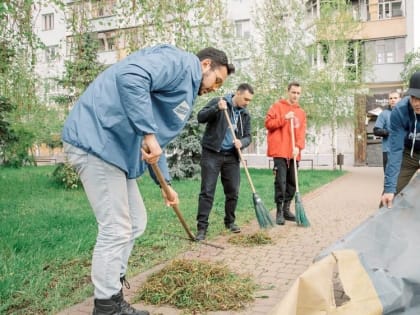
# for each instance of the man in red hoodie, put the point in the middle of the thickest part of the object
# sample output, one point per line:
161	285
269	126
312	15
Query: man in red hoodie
279	146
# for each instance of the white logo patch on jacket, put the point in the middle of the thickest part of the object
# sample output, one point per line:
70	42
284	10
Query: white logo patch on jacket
182	110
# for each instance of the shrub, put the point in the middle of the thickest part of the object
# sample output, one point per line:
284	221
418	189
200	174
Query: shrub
65	175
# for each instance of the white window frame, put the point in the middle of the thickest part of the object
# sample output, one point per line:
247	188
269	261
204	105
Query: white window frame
48	22
243	28
387	9
387	51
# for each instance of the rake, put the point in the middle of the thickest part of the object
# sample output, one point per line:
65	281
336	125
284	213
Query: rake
261	212
301	218
165	187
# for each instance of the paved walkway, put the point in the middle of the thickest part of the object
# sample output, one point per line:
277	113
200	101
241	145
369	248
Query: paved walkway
333	210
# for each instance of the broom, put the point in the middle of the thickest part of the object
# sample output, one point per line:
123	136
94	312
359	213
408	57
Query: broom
301	218
165	187
261	212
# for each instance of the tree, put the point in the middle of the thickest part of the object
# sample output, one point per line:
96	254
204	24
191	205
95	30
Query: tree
337	73
184	152
82	66
6	134
411	65
279	54
189	25
18	47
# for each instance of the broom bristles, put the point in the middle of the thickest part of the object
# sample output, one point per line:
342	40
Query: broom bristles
300	214
261	212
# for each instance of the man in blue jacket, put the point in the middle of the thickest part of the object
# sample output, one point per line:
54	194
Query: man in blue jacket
404	141
142	101
381	128
220	154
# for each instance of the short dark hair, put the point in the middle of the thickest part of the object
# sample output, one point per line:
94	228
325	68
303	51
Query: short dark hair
218	58
245	87
394	92
293	83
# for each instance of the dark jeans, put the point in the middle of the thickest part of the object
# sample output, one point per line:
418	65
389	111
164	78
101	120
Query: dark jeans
212	163
384	159
285	182
409	167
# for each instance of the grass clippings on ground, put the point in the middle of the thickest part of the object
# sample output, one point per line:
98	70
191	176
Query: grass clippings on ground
248	240
197	286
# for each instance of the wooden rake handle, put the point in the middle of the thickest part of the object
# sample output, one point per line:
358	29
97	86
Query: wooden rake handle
239	152
292	132
178	213
165	188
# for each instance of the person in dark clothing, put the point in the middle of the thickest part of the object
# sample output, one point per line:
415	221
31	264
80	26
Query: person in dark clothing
404	140
381	128
219	154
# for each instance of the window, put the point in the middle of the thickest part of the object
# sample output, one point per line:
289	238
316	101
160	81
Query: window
353	60
48	22
51	53
311	8
242	28
386	50
107	41
102	8
69	46
389	8
312	54
360	10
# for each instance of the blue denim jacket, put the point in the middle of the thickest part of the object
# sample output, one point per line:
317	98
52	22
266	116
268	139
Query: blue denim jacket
151	91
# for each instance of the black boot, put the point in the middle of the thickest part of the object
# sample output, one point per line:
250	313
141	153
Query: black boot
126	308
201	234
106	307
286	211
279	214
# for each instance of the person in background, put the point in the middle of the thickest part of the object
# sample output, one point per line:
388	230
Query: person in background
220	154
404	142
279	146
382	125
124	119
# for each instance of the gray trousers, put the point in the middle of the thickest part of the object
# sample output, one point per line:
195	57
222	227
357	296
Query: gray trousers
120	214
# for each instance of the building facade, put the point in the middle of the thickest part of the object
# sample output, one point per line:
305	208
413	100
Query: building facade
389	30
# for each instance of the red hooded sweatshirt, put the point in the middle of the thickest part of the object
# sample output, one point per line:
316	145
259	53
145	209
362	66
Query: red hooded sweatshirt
279	140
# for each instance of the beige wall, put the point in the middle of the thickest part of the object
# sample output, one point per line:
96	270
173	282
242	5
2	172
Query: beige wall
395	27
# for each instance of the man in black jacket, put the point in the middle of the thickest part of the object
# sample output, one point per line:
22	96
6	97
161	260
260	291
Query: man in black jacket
220	155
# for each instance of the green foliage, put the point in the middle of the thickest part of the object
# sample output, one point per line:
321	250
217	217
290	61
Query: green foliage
184	23
6	134
411	65
18	47
81	69
65	175
16	151
332	83
48	233
185	151
280	55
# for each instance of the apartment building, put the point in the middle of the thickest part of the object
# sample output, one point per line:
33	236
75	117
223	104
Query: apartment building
390	29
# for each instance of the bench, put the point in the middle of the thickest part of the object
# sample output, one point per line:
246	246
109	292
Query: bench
45	160
270	161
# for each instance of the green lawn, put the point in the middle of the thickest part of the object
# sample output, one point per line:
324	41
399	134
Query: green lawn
47	233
